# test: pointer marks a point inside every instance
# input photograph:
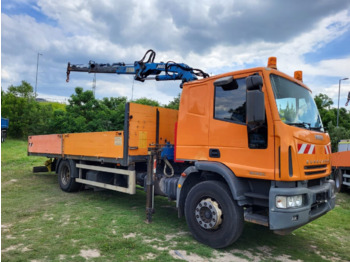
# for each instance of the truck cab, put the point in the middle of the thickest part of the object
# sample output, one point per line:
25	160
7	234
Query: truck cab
269	148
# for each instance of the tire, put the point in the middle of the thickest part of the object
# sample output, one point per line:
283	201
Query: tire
3	136
338	179
212	216
66	176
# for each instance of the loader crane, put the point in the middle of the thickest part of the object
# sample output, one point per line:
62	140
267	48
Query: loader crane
143	69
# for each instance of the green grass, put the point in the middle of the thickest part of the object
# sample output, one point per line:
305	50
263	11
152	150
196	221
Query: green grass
42	223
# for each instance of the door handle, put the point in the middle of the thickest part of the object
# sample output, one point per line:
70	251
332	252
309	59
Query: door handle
214	153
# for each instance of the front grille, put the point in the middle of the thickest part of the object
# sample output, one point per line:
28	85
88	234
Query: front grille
315	167
315	170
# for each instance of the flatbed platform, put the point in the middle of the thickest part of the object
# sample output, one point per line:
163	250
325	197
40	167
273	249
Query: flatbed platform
144	126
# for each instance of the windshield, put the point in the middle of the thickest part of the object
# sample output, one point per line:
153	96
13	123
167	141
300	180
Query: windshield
295	104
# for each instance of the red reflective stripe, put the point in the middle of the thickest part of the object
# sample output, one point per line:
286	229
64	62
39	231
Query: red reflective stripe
299	146
306	151
302	148
311	150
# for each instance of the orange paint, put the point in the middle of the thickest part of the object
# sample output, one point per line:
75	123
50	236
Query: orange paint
96	144
142	127
340	159
44	144
198	132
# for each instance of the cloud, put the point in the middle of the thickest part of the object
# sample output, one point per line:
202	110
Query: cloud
215	36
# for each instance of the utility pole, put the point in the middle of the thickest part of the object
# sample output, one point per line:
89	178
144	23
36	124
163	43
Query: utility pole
132	90
94	84
36	78
339	99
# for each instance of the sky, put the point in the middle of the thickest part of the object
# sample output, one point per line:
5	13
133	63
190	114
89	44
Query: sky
216	36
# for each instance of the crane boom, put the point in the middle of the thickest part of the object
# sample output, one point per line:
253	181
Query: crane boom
143	69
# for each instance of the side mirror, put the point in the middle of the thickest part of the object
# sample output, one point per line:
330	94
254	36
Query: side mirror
255	100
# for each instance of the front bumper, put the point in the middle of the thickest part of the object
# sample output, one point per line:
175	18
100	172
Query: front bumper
318	200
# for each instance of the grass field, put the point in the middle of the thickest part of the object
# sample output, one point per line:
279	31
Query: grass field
39	222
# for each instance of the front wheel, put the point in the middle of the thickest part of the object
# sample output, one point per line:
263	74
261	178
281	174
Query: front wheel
213	217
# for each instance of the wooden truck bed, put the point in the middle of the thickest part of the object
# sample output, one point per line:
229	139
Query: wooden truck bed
143	126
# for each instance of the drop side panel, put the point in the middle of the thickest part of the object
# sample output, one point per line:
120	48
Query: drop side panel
45	144
95	144
143	127
340	159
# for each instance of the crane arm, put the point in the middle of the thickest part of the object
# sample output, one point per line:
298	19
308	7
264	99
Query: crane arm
143	69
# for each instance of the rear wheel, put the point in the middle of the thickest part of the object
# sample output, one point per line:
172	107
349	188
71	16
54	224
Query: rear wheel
66	176
213	217
338	179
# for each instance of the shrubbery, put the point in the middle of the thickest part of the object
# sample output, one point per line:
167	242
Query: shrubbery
84	113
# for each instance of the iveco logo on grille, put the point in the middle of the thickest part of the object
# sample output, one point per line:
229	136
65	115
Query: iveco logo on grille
319	137
310	162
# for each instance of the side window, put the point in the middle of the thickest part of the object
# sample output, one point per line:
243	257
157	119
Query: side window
230	102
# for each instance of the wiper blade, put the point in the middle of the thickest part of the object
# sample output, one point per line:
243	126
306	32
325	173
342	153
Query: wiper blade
316	128
301	124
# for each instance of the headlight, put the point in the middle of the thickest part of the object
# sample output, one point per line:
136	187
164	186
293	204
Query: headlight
289	201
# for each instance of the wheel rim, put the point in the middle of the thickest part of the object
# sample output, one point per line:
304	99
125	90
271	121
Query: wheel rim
65	175
208	214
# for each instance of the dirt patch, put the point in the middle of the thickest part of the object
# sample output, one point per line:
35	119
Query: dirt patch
148	256
89	253
182	254
230	256
26	249
6	227
10	182
18	247
65	220
131	235
171	236
11	248
160	248
48	216
62	257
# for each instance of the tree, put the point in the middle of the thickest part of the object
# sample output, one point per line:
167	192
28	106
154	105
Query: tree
329	119
146	101
84	113
27	116
24	90
336	134
175	104
323	101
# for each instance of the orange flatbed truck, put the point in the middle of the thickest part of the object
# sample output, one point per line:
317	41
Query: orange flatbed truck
247	145
341	165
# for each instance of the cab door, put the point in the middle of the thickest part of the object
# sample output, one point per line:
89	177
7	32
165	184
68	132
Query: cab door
248	151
